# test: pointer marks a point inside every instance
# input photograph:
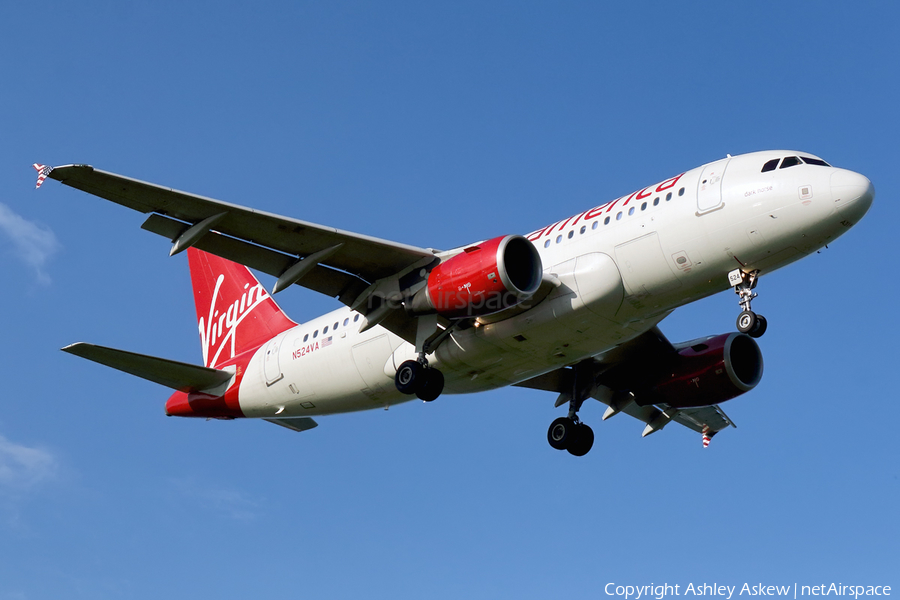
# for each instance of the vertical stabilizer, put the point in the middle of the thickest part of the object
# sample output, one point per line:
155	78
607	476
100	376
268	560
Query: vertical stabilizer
234	311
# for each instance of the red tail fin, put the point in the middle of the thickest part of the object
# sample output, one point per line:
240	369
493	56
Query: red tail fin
234	311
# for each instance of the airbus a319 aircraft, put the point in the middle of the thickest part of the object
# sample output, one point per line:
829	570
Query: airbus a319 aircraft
571	308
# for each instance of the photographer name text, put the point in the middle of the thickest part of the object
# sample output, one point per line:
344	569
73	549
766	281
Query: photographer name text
793	590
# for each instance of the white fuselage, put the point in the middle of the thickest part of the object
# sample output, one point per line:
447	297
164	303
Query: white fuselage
622	267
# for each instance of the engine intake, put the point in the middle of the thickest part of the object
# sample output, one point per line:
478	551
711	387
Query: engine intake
482	279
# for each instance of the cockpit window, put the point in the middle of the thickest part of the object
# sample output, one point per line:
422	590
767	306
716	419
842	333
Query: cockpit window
790	161
771	165
815	161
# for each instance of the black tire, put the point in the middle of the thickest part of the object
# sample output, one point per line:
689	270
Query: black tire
562	433
746	321
434	385
761	326
583	442
410	377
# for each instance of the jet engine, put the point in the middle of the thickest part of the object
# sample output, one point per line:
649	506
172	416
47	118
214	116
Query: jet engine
705	372
482	279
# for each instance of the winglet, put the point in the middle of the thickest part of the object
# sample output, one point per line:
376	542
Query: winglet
706	436
43	171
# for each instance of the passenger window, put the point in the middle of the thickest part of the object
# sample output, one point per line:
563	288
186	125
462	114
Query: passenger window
305	337
356	317
630	211
547	244
583	229
644	206
594	226
770	166
619	216
558	239
571	233
606	221
668	196
324	331
790	161
681	192
333	327
315	334
655	201
346	321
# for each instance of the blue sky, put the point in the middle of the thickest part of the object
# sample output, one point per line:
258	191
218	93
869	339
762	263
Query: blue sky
435	125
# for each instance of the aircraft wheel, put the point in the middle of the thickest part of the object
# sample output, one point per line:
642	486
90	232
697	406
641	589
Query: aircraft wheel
433	385
410	377
562	433
760	328
584	441
746	321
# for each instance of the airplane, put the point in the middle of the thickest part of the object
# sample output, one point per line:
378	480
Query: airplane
571	308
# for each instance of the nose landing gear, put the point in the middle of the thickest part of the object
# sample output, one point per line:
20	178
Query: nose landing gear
748	321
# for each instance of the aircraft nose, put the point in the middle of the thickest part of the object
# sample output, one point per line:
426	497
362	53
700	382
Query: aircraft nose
853	194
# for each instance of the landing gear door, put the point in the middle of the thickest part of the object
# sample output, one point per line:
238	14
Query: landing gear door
709	189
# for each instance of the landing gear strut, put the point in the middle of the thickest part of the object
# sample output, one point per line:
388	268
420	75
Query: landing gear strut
748	321
569	433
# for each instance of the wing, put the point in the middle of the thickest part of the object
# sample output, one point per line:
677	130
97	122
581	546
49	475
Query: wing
607	378
341	264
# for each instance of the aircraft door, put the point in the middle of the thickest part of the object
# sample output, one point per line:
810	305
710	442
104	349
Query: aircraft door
271	364
709	188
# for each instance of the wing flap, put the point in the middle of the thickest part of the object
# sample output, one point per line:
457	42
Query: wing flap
179	376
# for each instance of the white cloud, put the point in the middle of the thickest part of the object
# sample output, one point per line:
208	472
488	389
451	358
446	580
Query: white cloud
33	243
228	502
21	467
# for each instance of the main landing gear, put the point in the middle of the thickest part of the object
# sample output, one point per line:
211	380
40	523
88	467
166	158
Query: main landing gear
748	321
569	433
572	435
416	377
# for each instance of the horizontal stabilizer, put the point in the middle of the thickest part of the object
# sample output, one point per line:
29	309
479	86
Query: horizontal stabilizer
295	423
179	376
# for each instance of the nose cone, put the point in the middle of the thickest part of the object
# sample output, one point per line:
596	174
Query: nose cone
853	194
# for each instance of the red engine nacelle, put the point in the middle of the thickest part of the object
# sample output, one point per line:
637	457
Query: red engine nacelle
483	279
708	372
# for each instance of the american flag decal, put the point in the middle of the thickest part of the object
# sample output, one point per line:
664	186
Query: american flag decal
43	171
326	341
706	436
